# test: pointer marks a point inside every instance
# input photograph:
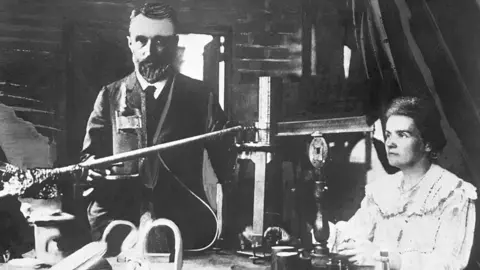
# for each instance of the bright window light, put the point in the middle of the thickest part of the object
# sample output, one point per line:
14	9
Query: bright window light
221	84
347	57
192	62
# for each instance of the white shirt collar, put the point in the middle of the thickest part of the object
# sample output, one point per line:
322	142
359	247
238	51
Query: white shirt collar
144	84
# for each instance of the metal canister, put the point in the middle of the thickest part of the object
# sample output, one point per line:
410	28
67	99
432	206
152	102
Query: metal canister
51	235
275	251
287	260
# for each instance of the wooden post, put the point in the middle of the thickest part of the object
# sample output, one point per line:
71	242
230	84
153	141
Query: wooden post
71	108
307	23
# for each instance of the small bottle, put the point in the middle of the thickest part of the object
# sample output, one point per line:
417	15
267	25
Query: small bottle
384	260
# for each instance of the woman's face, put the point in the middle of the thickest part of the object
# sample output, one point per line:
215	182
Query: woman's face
404	145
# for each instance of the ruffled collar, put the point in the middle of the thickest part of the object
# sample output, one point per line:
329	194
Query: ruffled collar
429	195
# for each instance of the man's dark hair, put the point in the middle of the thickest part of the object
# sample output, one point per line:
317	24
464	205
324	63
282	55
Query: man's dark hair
426	117
157	11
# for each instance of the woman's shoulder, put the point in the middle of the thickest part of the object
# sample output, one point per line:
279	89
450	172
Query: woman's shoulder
449	183
448	189
439	189
441	182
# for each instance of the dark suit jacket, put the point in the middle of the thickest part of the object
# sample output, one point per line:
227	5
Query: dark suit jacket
194	110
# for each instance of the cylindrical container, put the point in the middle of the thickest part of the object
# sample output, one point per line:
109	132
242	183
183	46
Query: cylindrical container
51	227
334	264
275	251
52	235
287	260
304	263
320	261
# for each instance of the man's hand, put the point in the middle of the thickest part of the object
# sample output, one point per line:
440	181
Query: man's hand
98	174
94	175
360	252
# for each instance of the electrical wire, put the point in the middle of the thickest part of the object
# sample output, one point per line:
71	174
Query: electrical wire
217	222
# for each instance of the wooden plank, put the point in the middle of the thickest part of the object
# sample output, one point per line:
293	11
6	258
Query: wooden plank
32	111
263	72
13	43
208	261
15	55
50	11
325	126
106	3
25	104
33	75
120	25
46	124
42	5
9	99
208	17
8	26
13	88
70	10
30	33
99	12
37	19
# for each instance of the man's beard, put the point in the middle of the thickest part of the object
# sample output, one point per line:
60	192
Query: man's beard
153	71
156	68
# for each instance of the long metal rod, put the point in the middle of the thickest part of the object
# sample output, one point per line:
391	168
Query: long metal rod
148	150
41	175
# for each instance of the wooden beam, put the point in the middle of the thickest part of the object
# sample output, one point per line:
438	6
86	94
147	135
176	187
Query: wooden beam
71	108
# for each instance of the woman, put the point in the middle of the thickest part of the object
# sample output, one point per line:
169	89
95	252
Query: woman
423	216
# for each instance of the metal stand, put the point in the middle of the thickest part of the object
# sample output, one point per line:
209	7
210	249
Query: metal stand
317	153
261	154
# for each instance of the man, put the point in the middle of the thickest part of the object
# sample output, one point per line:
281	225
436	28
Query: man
155	104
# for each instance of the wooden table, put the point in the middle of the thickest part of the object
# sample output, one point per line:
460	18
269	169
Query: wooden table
206	261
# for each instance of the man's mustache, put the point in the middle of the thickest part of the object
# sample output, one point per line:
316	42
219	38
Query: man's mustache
151	62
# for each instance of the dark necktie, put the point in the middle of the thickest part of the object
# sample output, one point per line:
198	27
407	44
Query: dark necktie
150	96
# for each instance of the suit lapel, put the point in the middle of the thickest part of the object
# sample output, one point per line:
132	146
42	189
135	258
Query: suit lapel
134	90
170	129
135	98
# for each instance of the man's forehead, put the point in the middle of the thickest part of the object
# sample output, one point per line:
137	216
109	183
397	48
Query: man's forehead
141	25
400	123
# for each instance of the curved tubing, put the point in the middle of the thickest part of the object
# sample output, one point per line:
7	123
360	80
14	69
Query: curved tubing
115	223
176	234
92	253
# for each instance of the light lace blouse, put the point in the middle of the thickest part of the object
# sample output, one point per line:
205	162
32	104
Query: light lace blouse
431	225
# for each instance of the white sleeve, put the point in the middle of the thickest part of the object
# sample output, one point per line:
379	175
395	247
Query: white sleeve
454	239
360	226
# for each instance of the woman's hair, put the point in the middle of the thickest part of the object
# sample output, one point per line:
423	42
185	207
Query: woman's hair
426	117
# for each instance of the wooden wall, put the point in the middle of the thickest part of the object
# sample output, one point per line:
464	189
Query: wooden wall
70	48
